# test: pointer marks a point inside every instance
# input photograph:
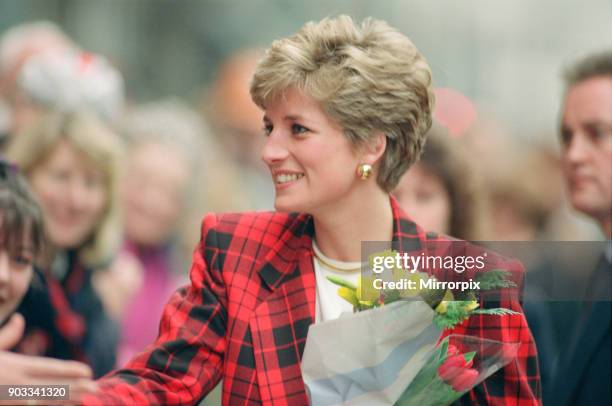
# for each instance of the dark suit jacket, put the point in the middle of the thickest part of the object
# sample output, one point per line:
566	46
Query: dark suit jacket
246	314
583	373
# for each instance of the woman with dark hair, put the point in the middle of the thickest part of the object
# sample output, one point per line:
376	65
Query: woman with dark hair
21	240
442	191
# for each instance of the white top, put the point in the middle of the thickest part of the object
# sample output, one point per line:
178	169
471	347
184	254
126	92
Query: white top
328	304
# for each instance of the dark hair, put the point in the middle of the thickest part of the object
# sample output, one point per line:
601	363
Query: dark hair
20	215
591	66
445	158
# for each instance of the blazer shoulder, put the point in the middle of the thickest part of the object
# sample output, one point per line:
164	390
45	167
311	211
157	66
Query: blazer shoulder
253	225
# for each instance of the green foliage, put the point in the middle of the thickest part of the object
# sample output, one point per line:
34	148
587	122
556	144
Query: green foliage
499	311
494	279
425	377
453	312
468	356
456	312
391	296
467	296
341	282
426	388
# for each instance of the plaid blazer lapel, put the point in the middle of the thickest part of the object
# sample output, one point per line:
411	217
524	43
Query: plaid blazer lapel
279	324
407	236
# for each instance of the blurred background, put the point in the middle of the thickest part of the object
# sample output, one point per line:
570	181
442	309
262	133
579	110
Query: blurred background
504	55
506	58
175	134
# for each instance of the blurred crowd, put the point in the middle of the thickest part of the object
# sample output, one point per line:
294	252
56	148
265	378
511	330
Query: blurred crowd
122	188
123	185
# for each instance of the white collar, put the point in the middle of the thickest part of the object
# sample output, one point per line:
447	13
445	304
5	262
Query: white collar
334	262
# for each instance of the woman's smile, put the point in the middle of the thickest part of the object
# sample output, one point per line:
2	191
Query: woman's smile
285	179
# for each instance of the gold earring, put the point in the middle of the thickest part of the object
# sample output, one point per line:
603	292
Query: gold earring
364	171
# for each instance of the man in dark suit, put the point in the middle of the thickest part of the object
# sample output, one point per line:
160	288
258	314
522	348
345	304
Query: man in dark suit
583	373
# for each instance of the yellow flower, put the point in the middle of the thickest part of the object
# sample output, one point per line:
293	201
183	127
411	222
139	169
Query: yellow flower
367	304
443	306
415	278
472	305
365	288
349	295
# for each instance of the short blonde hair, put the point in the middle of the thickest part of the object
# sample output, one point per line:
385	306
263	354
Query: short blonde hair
101	146
368	78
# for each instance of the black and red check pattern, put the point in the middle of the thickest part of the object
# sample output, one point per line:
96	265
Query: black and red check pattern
246	314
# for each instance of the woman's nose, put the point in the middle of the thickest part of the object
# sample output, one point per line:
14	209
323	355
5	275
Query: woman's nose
274	151
5	271
75	199
78	196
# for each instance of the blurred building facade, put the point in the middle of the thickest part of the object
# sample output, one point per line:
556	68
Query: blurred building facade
503	55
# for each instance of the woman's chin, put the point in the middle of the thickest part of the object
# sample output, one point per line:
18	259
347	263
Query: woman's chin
284	204
282	208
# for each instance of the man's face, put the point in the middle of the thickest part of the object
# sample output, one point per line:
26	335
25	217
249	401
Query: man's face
586	135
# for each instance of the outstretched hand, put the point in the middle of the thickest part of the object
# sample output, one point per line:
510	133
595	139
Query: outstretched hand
12	332
18	369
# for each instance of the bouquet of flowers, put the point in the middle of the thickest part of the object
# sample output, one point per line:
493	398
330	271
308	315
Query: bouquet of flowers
390	351
452	370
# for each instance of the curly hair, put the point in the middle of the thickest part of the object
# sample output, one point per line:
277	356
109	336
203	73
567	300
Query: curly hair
368	78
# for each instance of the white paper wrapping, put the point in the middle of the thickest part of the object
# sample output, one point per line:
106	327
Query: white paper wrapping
368	358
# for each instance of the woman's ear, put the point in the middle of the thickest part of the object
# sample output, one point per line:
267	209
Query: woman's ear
373	150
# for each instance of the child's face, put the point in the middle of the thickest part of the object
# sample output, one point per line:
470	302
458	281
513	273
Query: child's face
15	274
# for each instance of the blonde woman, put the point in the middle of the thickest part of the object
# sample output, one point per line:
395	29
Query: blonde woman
72	162
165	149
346	110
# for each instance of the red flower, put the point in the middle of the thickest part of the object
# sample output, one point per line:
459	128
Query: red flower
452	350
465	380
458	373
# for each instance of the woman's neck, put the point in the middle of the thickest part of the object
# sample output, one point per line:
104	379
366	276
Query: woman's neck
339	232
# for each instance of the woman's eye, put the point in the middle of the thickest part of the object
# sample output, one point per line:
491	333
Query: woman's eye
59	175
298	129
424	196
22	260
267	129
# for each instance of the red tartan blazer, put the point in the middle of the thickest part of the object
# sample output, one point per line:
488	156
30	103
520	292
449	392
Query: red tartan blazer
245	317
